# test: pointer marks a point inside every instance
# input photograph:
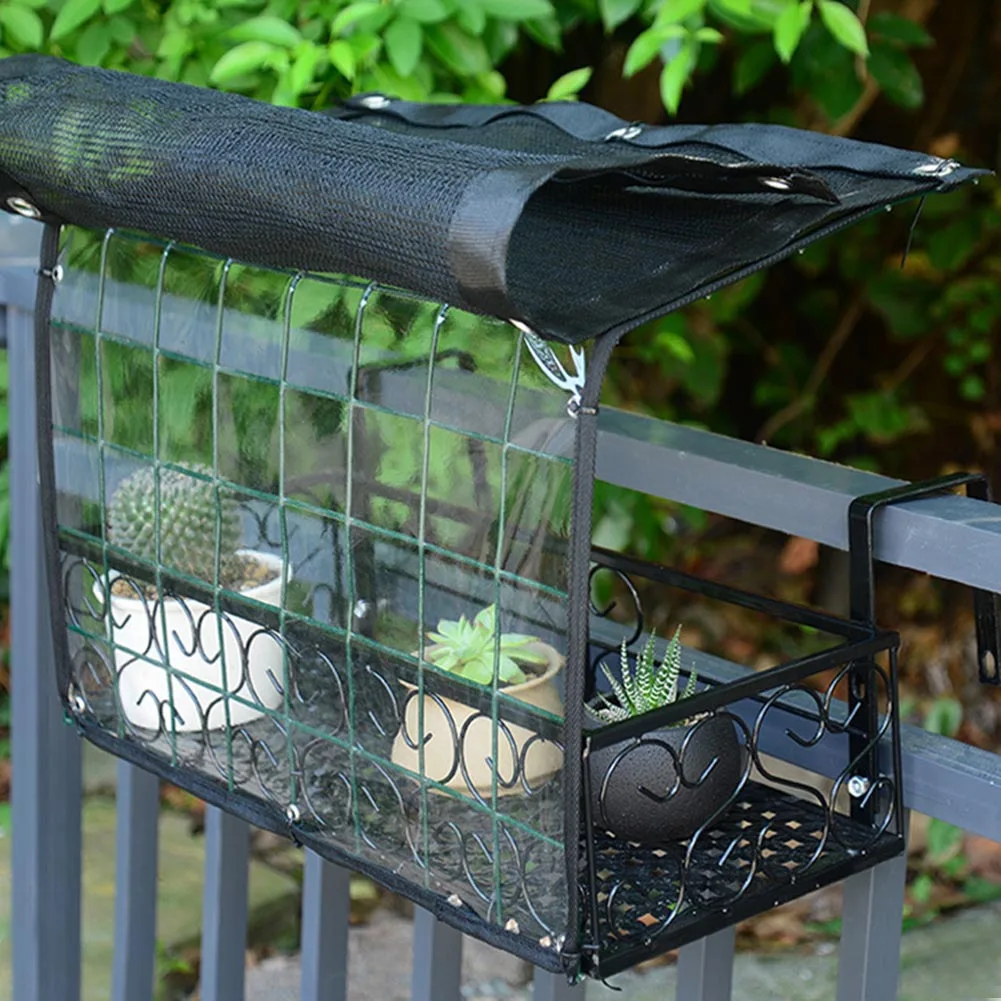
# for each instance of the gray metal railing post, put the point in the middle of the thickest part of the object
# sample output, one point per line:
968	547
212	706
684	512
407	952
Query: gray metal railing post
871	925
224	909
437	973
705	968
548	986
326	915
47	780
137	802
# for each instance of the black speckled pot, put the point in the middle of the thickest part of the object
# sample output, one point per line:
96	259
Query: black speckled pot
621	807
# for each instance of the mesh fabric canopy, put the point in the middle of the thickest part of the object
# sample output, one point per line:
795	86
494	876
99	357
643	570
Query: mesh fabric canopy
560	216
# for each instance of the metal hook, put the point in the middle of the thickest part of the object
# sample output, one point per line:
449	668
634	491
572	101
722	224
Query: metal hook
553	368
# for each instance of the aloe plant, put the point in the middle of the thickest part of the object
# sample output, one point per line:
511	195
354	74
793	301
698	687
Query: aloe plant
648	687
468	649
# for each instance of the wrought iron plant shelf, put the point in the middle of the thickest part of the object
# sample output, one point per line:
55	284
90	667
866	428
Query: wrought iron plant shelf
320	549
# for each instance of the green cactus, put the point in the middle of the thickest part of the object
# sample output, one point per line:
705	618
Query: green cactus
188	517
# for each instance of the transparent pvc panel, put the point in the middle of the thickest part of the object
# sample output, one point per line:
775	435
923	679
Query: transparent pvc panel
314	542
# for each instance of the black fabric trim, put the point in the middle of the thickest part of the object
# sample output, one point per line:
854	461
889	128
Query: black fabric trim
578	638
44	294
478	242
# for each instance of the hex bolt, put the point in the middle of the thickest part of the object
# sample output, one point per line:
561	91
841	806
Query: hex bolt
858	786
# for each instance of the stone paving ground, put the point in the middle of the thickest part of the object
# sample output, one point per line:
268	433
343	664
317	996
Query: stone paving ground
952	960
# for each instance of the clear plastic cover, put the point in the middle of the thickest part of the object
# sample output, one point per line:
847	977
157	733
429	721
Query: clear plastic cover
314	537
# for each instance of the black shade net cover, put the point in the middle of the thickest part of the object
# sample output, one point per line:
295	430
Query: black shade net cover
561	217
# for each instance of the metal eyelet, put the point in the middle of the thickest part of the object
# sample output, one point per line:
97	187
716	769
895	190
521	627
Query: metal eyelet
626	132
23	207
936	168
374	102
292	813
776	183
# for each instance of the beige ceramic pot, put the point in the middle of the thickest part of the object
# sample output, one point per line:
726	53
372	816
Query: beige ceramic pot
472	737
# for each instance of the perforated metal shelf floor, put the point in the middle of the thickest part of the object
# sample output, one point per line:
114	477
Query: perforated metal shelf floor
768	847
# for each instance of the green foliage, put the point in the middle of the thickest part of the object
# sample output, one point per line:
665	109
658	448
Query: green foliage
468	649
176	518
310	52
645	688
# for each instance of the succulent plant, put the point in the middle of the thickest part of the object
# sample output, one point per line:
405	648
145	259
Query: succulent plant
467	649
648	687
189	513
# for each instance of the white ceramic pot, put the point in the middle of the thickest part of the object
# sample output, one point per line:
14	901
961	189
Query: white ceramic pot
146	689
542	759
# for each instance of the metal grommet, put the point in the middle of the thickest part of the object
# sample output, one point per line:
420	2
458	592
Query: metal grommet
512	926
23	207
374	102
776	183
292	814
56	273
455	900
626	132
77	702
936	168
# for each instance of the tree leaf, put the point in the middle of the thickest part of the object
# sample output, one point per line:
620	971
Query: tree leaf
342	56
71	16
843	24
243	59
568	86
424	11
22	25
303	70
117	6
461	53
674	76
616	12
123	31
789	29
744	15
647	45
733	8
896	75
895	28
265	28
373	13
93	44
472	20
754	62
709	36
516	10
404	41
675	11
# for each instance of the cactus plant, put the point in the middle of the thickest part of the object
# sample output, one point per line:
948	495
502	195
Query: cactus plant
187	523
647	688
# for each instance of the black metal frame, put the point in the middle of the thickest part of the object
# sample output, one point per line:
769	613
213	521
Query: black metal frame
880	837
591	944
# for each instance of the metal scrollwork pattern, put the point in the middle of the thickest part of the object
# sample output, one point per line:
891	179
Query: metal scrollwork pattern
319	735
780	832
